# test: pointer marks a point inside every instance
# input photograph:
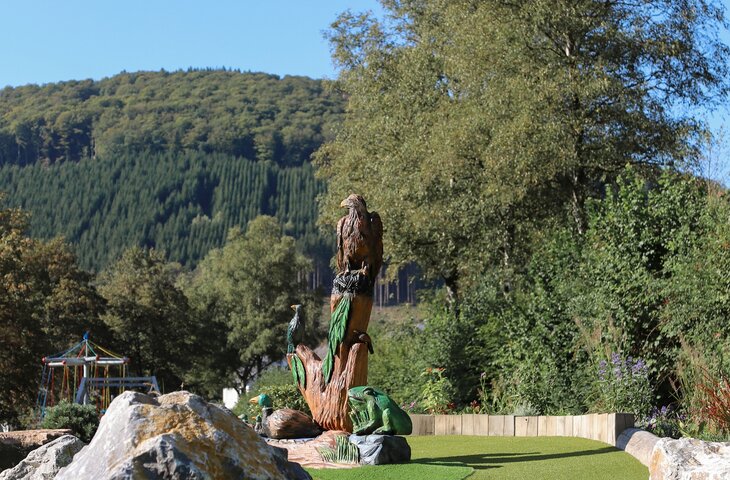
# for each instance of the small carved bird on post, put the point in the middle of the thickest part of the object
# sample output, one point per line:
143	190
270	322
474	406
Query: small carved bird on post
359	239
295	331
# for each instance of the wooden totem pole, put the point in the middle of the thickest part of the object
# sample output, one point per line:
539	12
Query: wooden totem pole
324	382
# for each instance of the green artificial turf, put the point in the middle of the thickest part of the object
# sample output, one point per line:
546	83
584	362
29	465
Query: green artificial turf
413	471
504	458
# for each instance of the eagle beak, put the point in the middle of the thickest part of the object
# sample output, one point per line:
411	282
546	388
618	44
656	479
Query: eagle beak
344	204
293	307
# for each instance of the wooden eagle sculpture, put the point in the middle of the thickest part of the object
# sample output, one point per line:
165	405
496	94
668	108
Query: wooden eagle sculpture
359	239
359	256
325	382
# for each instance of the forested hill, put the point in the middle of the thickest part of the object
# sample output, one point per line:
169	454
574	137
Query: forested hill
252	115
166	160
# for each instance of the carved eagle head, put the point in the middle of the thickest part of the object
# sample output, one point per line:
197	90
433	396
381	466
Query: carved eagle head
355	202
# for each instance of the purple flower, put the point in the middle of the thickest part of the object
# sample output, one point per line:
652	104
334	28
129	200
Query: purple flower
638	367
602	369
615	358
618	373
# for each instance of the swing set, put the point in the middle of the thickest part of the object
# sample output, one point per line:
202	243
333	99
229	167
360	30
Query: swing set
87	373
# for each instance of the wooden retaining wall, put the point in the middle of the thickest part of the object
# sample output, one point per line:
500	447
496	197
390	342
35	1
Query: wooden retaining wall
605	427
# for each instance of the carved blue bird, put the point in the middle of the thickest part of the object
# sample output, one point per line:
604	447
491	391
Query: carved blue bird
295	332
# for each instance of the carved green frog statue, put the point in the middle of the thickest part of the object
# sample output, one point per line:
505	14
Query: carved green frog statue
372	411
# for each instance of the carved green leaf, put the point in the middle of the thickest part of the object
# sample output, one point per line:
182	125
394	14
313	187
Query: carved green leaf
297	370
338	327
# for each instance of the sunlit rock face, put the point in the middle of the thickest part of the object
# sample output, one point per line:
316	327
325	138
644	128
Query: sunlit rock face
44	462
689	459
176	436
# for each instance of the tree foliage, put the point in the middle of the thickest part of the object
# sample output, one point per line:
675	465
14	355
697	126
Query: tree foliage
625	287
468	123
245	289
252	115
183	204
149	316
46	301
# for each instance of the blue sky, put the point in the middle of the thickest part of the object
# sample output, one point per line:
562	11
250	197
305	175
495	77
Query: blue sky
45	41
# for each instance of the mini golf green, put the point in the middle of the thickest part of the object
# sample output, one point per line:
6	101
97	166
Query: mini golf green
504	458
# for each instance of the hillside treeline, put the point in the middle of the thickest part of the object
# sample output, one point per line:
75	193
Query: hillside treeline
166	160
253	115
181	203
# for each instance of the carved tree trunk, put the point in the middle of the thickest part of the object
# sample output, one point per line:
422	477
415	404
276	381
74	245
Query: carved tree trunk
328	401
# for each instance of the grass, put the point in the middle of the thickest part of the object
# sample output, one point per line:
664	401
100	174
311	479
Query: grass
504	458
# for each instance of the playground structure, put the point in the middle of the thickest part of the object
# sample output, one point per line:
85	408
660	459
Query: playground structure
84	374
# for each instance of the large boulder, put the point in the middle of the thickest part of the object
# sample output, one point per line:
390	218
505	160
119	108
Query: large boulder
44	462
177	436
15	446
689	459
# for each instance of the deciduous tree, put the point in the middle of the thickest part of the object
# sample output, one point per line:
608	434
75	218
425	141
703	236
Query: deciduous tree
243	292
468	120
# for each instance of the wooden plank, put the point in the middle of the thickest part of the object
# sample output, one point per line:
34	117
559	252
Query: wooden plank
482	425
423	424
569	420
509	426
551	427
440	426
448	425
611	429
561	426
623	421
579	426
594	426
468	423
521	426
585	427
601	433
473	424
496	425
541	425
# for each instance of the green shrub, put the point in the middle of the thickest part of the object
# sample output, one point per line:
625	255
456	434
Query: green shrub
437	393
398	361
82	420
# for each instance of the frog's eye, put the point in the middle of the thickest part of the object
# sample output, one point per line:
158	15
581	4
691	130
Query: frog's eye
368	391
